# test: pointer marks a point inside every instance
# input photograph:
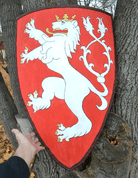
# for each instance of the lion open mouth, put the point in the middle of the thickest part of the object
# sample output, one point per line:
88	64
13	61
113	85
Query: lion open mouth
57	30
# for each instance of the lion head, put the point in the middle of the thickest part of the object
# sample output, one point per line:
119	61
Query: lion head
72	37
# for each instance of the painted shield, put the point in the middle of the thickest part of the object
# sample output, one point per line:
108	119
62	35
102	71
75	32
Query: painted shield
66	73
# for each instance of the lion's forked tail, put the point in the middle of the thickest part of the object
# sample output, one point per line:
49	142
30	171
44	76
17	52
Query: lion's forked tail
101	96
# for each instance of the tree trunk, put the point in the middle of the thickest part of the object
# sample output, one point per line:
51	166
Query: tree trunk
111	156
126	96
32	5
7	111
9	10
65	2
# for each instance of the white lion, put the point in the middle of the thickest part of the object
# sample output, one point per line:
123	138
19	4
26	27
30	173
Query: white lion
73	87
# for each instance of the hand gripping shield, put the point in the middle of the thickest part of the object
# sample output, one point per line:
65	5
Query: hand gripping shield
66	74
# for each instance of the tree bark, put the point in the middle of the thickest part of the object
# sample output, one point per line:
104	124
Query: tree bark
36	4
65	2
32	5
126	96
75	174
9	11
7	111
111	156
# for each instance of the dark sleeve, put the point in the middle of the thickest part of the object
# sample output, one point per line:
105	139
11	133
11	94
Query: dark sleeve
15	167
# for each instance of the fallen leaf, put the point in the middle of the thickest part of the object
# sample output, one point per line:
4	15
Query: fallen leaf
2	151
1	160
1	145
32	175
6	156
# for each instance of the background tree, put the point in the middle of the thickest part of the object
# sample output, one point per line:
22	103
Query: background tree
106	5
126	98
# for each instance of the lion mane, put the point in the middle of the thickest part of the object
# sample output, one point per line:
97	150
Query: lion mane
71	39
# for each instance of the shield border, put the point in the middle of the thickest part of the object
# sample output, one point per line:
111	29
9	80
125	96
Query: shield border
111	100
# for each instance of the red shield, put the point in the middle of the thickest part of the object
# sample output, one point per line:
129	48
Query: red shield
66	72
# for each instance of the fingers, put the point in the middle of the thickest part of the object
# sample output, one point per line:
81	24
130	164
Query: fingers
41	147
18	134
15	131
38	144
34	142
30	135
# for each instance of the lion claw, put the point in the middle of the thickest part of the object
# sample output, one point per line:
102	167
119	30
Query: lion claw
35	91
58	125
56	132
58	140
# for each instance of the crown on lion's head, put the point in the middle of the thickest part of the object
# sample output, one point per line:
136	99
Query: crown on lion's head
65	17
73	32
71	36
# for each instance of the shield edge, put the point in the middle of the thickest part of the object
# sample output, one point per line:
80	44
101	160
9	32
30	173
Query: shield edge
24	106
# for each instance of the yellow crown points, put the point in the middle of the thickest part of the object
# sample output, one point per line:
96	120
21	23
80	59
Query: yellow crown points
65	17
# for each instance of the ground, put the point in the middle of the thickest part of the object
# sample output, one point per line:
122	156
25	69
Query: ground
6	148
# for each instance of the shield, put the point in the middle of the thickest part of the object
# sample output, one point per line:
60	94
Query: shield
66	73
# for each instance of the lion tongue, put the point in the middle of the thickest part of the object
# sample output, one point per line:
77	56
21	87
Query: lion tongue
57	30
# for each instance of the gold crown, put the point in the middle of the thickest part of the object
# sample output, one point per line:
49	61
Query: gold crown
65	17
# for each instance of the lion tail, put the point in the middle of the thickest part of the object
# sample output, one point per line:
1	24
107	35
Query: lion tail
101	95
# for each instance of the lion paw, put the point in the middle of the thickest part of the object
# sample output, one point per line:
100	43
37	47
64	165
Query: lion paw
77	130
30	28
62	132
38	103
24	56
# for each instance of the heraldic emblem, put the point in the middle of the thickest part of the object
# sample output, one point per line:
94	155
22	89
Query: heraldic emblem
66	73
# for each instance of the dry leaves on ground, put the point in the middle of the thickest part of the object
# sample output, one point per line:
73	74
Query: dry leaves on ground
6	148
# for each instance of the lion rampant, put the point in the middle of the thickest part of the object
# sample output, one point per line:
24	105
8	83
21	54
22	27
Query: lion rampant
73	87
